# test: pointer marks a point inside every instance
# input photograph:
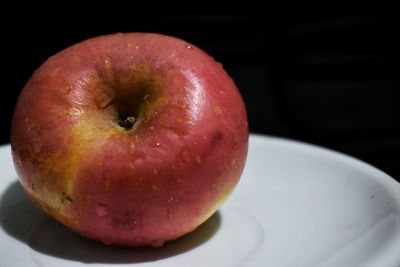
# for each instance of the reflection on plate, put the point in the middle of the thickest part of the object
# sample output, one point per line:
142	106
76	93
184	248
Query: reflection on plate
296	205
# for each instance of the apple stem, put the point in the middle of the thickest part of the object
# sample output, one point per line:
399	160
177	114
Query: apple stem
127	123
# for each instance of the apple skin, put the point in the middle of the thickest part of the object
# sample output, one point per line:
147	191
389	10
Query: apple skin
84	164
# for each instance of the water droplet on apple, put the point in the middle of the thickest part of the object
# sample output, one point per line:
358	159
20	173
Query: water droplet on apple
198	159
157	243
169	213
170	200
30	125
37	147
155	144
185	155
101	210
129	225
66	89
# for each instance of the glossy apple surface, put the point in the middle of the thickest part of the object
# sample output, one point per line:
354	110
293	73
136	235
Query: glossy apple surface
130	139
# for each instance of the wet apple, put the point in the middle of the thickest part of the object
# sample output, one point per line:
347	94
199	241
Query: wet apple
130	139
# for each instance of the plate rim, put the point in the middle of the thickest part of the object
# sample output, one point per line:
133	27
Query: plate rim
385	177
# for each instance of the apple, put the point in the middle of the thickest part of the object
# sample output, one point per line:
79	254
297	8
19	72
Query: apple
130	139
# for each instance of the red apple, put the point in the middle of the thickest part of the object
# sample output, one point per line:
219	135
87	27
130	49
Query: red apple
130	139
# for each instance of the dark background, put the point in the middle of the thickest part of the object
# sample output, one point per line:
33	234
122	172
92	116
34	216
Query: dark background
321	74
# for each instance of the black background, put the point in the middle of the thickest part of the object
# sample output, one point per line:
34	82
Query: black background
321	74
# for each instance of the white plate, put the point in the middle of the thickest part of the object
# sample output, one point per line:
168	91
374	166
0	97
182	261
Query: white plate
296	205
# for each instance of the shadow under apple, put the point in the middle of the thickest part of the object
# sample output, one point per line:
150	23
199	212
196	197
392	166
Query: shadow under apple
22	220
